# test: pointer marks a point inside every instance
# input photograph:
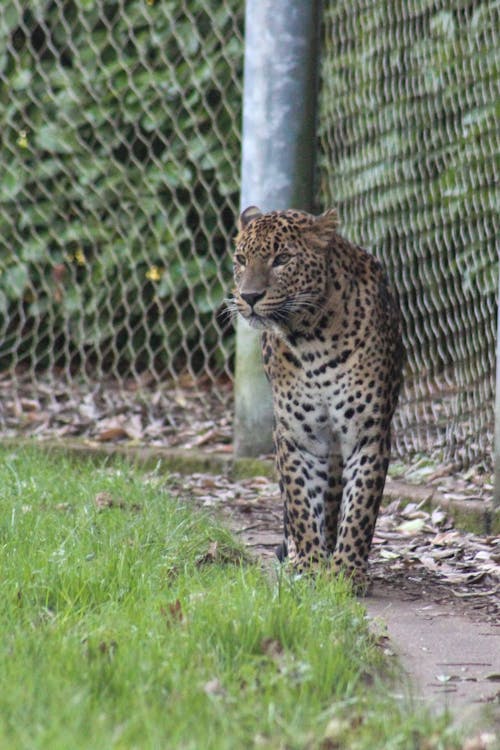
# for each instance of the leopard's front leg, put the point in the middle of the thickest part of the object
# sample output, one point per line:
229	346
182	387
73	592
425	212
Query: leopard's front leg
364	476
303	484
303	443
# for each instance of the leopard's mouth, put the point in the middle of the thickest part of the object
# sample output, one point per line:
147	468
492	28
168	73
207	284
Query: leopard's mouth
253	318
257	321
276	318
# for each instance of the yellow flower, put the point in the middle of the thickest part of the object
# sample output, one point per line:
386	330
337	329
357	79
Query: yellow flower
153	273
22	141
79	257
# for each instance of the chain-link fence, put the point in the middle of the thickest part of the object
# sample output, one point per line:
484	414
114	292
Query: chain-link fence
120	141
409	138
119	174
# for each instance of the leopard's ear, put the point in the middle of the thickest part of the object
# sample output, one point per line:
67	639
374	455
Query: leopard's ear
327	222
322	228
248	215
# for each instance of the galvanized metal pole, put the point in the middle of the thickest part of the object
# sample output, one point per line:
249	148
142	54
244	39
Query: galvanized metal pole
279	102
497	409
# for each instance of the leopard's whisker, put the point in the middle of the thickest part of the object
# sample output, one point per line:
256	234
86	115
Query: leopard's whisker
230	311
296	304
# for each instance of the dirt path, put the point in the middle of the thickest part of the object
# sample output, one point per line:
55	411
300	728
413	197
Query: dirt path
452	660
435	598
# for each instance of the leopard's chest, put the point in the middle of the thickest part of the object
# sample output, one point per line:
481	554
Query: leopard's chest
311	392
327	397
316	366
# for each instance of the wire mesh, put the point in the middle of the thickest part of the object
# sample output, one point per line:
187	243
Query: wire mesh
408	142
120	149
120	141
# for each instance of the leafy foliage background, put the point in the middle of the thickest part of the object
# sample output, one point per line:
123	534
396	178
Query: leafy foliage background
119	131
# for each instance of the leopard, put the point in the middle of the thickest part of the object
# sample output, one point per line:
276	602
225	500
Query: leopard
332	350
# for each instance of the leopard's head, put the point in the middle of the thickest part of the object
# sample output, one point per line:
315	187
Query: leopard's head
280	266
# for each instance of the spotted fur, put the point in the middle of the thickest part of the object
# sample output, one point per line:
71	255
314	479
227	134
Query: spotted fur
332	350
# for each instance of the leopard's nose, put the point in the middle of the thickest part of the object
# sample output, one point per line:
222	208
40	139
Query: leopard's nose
251	298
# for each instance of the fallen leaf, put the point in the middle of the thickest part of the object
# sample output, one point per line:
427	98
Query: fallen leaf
446	538
207	437
272	647
63	506
104	500
108	649
214	687
482	555
388	554
465	577
335	732
212	551
493	677
113	433
443	554
483	741
429	562
444	678
414	514
411	527
438	516
173	612
29	404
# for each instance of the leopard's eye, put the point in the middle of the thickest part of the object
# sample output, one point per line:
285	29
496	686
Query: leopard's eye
280	259
240	259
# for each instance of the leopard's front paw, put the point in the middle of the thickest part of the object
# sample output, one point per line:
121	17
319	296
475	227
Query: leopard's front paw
356	576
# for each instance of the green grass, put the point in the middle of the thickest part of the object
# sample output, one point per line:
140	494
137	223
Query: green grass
129	621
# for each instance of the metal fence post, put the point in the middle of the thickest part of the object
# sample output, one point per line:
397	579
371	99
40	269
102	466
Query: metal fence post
497	408
279	102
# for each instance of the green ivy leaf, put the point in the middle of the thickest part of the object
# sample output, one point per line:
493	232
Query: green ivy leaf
15	280
51	137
